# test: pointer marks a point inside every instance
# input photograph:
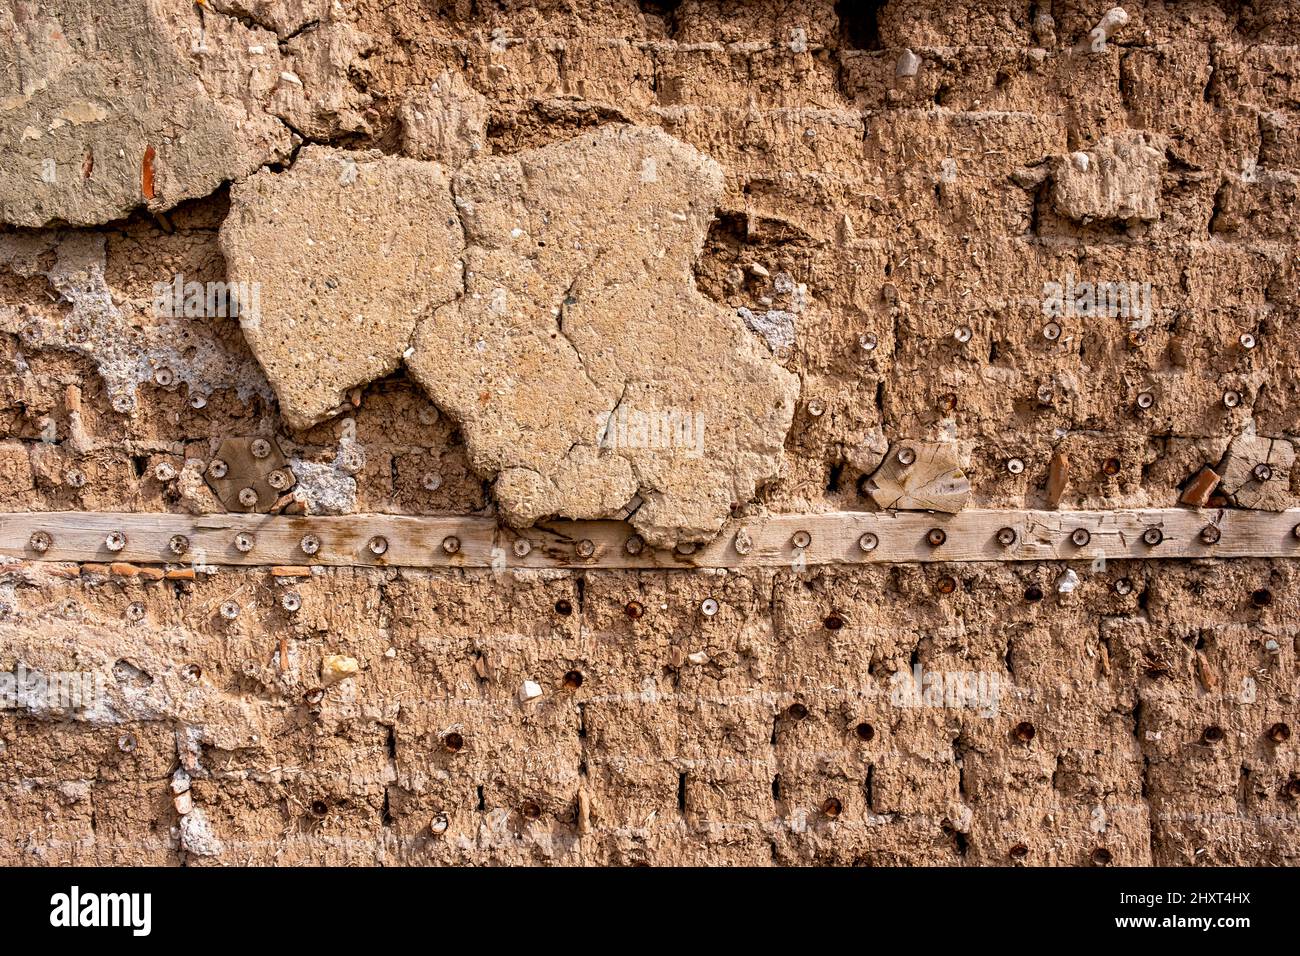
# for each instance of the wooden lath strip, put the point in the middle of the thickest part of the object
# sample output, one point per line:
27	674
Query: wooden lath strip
782	541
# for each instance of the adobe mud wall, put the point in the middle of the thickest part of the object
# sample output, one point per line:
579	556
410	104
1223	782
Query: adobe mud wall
818	425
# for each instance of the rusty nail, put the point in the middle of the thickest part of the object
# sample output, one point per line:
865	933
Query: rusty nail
309	544
115	541
1080	537
634	609
946	584
1111	466
935	537
40	541
244	542
1007	537
451	544
868	542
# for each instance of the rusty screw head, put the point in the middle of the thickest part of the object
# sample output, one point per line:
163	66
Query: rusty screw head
1145	400
946	584
935	537
309	544
1262	472
278	479
1279	733
1210	534
906	455
260	448
708	607
634	545
115	541
291	601
1111	467
522	547
1080	537
451	544
218	468
1007	537
868	542
244	542
801	539
378	544
248	497
40	541
634	609
585	548
1024	732
1152	537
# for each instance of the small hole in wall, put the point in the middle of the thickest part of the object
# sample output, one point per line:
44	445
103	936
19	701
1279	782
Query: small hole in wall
796	712
529	810
1101	856
1293	787
453	742
573	680
866	733
564	607
831	807
1212	734
1279	733
1262	597
1025	732
833	622
1018	852
1033	593
319	808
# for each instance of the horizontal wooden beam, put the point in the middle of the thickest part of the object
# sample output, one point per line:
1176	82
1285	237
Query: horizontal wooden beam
779	541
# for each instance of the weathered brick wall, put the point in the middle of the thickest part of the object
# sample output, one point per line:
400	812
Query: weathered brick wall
901	185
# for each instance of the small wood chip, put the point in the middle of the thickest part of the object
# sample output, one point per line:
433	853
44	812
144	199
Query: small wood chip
1197	494
1058	476
290	571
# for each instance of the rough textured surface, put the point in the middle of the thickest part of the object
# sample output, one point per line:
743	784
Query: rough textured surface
350	249
880	218
583	366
